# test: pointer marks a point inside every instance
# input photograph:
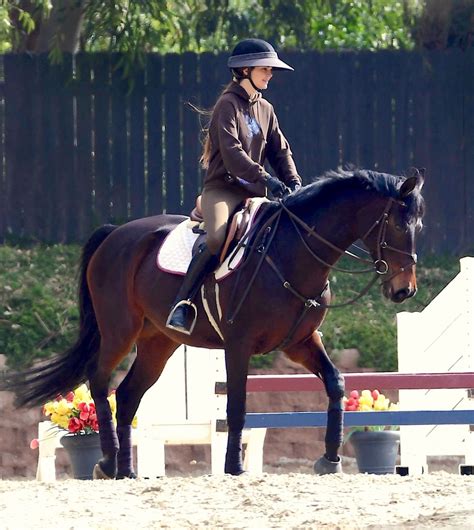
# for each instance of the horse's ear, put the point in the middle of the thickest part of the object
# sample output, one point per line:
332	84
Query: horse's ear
415	179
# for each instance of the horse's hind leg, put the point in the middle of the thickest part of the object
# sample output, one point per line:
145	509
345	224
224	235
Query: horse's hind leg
117	339
312	355
152	356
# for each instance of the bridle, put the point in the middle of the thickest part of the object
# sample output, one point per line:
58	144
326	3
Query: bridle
379	266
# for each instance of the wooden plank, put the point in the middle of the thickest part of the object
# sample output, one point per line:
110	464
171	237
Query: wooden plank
68	179
468	154
385	84
313	165
445	122
155	134
46	196
422	155
359	381
292	102
279	420
356	118
330	111
452	70
402	81
56	190
191	131
84	162
13	144
137	146
36	209
101	124
119	148
367	89
27	185
3	202
347	153
172	133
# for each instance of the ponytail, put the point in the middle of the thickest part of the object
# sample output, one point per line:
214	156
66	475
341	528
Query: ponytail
207	146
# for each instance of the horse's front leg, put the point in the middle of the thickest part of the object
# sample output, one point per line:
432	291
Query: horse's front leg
237	369
313	356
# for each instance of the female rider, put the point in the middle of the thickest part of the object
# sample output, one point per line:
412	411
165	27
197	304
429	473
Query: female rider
243	132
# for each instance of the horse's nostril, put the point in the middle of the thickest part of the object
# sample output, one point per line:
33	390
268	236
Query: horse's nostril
401	295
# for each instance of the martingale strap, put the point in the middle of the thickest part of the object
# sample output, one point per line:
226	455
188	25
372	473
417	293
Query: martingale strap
261	244
310	303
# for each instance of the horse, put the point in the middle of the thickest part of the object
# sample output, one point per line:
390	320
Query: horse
277	299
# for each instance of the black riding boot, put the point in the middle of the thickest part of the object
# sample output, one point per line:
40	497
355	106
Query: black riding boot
181	317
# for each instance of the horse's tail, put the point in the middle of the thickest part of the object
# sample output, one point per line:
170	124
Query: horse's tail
36	385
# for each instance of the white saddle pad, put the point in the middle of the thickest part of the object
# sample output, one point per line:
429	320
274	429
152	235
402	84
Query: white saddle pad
175	253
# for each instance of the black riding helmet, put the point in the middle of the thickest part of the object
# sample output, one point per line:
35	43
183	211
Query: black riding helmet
254	52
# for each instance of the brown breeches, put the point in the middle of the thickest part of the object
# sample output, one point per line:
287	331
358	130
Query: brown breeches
217	205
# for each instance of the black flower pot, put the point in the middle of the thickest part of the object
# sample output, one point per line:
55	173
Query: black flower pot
376	451
84	452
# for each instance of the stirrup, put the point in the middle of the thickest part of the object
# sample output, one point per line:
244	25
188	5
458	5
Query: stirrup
193	323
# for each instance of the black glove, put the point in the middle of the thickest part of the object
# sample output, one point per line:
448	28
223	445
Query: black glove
294	185
276	187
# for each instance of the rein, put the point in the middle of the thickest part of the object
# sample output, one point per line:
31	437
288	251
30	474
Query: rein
267	233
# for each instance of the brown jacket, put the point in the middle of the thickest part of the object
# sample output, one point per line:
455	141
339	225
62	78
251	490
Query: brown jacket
243	133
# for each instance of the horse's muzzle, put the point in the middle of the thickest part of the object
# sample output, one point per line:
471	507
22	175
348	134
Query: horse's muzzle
400	295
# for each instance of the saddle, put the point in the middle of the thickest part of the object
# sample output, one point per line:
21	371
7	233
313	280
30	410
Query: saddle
236	227
182	242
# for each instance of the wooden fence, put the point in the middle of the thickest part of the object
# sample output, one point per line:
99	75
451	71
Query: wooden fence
78	148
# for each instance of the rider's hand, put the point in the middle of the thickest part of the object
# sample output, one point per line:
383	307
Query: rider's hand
276	186
294	185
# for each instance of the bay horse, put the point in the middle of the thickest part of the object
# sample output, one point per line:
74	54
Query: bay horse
276	300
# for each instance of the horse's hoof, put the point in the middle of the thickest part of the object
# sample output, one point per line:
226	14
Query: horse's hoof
131	475
99	474
323	466
235	472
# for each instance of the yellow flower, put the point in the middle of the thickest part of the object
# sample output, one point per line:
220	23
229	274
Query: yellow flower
62	421
113	403
366	399
82	395
63	408
48	408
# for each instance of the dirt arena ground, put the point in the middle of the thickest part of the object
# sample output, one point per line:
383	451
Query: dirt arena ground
294	500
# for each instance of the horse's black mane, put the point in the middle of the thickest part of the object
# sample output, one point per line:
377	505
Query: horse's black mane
346	181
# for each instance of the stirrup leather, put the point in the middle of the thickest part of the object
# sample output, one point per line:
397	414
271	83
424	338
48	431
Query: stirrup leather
193	323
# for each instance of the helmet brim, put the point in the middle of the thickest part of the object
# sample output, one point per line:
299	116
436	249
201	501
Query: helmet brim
275	63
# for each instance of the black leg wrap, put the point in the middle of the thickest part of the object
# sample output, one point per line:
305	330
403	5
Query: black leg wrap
334	431
233	457
108	441
125	455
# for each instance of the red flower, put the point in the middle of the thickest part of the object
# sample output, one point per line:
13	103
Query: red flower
84	411
34	444
70	397
75	425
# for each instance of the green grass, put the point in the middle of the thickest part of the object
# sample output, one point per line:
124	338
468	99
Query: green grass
39	314
38	303
370	324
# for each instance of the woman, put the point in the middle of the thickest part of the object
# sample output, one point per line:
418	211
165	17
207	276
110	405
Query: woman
243	132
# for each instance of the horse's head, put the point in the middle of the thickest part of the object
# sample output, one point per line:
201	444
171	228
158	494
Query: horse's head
391	240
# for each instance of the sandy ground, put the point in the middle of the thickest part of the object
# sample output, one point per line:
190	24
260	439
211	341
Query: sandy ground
294	500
